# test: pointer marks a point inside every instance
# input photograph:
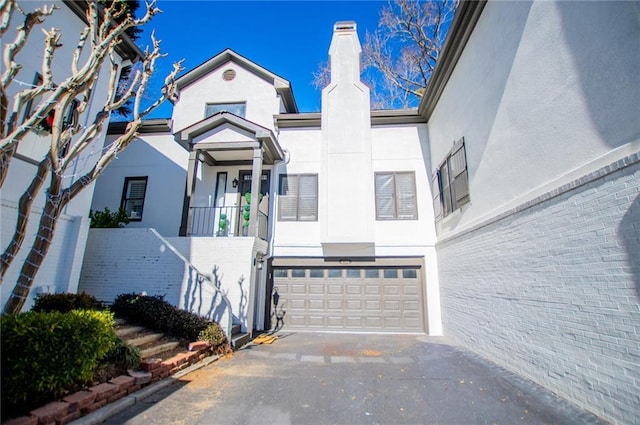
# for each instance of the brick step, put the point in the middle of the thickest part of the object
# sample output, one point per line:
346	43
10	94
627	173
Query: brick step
124	330
159	349
144	339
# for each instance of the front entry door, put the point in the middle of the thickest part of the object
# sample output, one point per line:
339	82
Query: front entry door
244	187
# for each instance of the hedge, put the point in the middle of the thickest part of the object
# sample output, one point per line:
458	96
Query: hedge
157	314
66	302
48	354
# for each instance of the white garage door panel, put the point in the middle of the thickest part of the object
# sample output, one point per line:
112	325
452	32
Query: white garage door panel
371	299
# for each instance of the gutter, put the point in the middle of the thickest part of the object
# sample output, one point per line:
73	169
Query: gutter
127	48
463	24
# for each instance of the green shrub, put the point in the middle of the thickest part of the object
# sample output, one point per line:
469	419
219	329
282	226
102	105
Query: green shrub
48	354
213	334
157	314
66	302
123	356
108	219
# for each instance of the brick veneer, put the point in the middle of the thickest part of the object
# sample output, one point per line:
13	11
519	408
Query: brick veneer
81	403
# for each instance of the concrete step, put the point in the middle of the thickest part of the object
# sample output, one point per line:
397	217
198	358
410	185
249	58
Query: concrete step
144	339
238	340
123	331
236	329
156	350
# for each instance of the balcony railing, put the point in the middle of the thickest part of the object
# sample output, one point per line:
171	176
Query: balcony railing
224	222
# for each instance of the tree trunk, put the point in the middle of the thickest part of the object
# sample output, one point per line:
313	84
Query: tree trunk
24	210
5	160
39	249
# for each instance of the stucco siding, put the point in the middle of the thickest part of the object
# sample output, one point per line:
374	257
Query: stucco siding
551	291
262	102
159	158
554	89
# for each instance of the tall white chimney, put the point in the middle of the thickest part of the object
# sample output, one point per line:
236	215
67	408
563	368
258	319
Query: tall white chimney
347	201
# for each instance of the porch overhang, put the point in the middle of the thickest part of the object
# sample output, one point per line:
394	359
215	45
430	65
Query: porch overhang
240	139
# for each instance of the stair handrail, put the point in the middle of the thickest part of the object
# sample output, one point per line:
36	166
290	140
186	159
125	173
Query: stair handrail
201	277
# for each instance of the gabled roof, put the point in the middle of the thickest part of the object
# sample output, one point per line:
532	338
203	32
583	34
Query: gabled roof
282	86
262	136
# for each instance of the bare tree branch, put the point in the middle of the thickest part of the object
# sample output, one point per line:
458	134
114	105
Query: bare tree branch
400	56
103	39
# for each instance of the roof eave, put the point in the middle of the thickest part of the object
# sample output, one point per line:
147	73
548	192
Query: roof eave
126	49
463	24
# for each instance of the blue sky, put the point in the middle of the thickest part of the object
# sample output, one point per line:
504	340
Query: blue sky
289	38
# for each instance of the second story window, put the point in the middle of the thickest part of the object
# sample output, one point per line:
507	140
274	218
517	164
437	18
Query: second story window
133	197
234	108
298	197
396	196
451	182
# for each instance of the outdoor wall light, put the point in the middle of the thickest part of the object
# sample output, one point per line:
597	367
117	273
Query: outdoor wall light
234	183
259	260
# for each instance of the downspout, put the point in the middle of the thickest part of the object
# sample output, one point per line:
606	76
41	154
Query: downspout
269	254
276	166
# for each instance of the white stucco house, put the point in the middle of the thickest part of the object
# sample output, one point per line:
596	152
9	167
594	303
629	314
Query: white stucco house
504	212
60	271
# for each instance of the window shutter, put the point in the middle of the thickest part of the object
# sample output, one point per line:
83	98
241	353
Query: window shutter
385	202
288	202
308	199
406	196
437	195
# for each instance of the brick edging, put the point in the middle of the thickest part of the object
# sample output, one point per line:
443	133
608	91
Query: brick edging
87	401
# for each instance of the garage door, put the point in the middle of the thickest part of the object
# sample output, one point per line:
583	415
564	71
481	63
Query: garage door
351	299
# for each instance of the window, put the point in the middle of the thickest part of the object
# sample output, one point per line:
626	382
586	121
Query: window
133	197
298	197
43	127
33	103
396	196
235	108
451	182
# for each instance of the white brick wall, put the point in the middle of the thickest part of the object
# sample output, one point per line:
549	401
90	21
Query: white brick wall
121	261
59	271
552	291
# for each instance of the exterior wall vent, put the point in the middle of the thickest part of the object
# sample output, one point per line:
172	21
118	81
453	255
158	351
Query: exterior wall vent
344	26
229	75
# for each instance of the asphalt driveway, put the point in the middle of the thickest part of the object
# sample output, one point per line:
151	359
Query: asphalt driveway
323	378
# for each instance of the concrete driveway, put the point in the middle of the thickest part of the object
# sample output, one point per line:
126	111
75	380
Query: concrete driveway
323	378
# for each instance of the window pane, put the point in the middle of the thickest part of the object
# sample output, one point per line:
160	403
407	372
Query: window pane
297	272
334	272
280	273
353	273
390	273
235	108
136	189
316	273
371	273
409	273
134	208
